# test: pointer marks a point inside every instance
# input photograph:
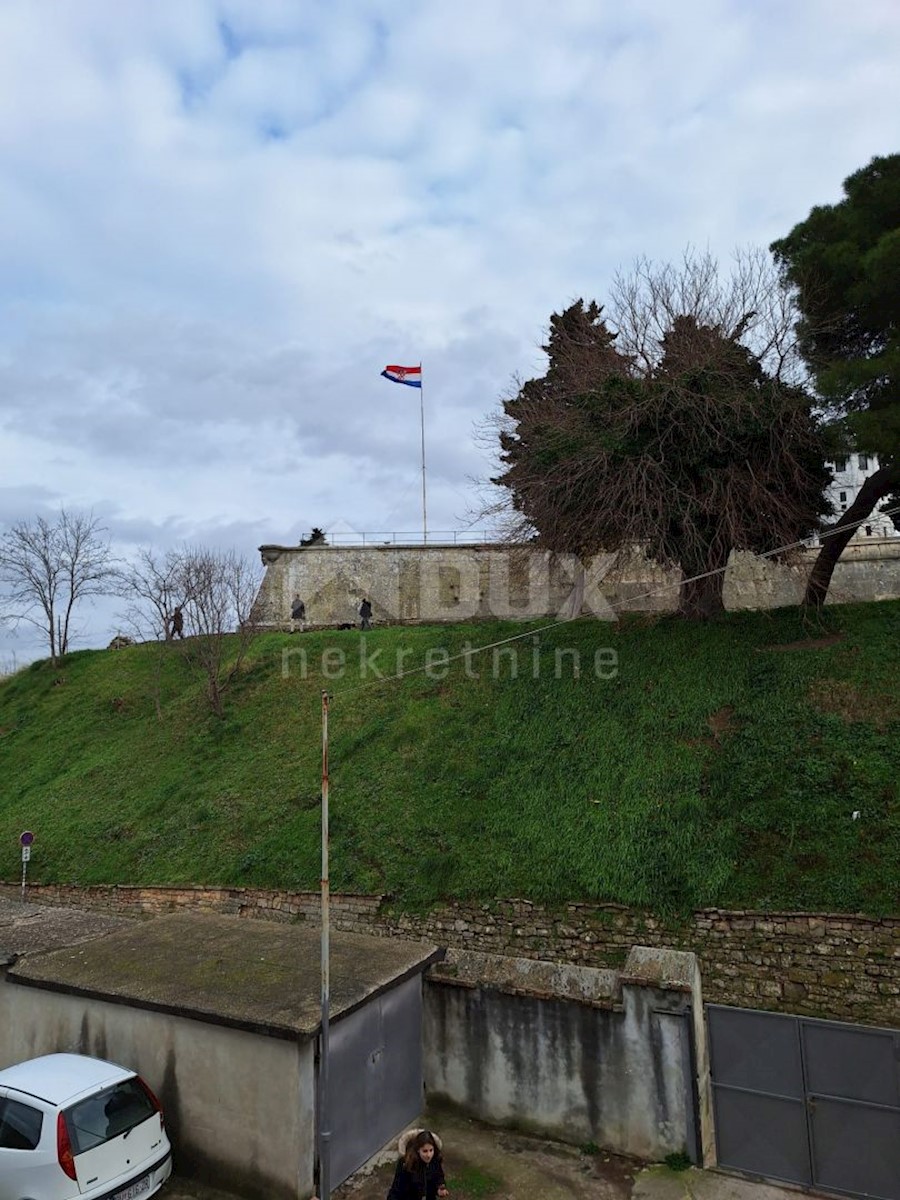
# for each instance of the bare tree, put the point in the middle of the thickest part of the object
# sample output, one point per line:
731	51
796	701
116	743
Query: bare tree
153	584
751	304
49	567
219	588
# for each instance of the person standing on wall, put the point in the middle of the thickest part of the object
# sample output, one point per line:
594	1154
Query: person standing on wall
177	623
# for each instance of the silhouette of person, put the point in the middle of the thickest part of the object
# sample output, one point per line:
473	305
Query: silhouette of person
365	615
178	622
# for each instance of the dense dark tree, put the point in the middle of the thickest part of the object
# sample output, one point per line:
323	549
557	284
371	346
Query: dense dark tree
676	427
844	262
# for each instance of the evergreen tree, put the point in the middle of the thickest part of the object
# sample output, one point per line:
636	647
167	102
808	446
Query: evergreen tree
844	262
682	441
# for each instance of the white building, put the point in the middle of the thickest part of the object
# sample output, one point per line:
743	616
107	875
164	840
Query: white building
850	473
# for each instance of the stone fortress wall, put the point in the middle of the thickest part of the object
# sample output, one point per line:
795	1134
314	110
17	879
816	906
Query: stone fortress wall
450	583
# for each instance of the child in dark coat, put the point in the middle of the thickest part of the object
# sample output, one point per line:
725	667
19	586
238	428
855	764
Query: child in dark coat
420	1170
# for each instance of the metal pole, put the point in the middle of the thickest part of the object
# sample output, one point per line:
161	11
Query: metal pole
422	414
24	872
324	1123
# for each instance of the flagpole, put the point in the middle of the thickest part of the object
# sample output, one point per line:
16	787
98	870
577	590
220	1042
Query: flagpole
422	414
399	375
324	1123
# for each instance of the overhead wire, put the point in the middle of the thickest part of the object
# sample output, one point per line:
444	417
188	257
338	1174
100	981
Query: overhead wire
803	543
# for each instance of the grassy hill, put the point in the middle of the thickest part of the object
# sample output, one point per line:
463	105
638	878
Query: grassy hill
721	765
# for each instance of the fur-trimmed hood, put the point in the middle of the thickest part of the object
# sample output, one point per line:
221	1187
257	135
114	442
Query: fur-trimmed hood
407	1137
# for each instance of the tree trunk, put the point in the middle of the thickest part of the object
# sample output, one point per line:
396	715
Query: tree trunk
835	537
703	572
214	694
701	599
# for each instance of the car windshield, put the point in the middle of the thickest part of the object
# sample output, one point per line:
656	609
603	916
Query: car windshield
107	1115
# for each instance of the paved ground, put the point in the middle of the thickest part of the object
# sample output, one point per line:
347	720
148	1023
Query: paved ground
184	1189
482	1162
658	1183
29	928
489	1164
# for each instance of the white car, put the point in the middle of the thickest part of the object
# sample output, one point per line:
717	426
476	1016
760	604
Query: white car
76	1127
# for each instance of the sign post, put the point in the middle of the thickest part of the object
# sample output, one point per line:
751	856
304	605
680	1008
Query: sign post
25	840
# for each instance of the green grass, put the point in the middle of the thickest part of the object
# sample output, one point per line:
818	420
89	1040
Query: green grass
471	1182
678	1160
710	771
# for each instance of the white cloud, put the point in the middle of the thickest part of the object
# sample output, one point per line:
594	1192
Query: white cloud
221	219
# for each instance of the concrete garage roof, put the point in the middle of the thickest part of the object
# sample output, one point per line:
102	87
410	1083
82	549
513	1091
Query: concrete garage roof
252	974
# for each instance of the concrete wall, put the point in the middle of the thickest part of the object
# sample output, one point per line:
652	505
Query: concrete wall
239	1107
461	583
611	1066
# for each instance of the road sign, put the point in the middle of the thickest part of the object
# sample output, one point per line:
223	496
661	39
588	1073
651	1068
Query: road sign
25	840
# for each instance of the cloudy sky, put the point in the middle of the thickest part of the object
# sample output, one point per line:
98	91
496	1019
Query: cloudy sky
222	218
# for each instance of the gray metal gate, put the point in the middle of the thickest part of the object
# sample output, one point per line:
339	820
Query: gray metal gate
375	1075
807	1101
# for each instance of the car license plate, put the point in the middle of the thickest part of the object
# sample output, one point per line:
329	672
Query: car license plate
140	1187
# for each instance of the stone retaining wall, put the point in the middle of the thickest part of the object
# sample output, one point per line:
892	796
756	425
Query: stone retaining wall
841	966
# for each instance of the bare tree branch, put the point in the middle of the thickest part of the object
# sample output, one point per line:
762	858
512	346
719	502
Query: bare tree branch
219	590
153	586
49	567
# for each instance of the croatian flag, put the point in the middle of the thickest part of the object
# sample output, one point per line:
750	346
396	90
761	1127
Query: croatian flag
411	376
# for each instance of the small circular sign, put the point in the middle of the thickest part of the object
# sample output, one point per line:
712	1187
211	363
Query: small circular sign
26	838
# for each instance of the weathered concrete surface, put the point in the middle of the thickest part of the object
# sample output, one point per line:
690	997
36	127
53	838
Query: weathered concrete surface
264	979
529	977
659	1183
661	967
597	1063
187	1189
529	1168
508	1165
33	928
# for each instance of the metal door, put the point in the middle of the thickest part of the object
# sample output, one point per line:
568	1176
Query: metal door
806	1101
375	1075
